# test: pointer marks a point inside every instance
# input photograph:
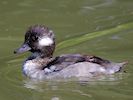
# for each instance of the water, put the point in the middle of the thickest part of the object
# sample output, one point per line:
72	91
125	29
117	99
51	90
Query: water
70	20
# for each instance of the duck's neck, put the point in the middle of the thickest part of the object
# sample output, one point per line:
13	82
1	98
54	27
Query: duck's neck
48	51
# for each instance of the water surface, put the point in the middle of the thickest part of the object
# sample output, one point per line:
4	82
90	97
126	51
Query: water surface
71	21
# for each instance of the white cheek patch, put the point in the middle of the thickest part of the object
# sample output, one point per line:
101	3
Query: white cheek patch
45	41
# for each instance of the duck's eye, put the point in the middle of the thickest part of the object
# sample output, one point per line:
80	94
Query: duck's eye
34	38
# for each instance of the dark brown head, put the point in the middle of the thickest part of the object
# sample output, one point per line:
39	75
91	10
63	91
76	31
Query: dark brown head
38	39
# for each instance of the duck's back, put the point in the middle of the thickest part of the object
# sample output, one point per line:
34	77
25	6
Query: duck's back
82	65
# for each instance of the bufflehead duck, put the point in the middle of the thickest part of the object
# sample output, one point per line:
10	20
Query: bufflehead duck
40	40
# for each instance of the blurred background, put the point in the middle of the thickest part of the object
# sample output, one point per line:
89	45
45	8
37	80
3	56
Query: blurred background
98	27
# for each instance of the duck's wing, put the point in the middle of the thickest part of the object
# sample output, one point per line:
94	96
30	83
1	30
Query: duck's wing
75	58
97	60
112	67
64	61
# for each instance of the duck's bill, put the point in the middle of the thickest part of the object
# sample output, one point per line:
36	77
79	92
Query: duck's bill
22	49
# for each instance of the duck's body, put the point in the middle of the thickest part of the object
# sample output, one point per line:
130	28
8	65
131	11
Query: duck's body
74	65
41	64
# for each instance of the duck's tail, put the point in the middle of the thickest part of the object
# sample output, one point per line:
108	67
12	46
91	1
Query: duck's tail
115	67
122	65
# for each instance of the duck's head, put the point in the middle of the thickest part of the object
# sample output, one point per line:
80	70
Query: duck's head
38	39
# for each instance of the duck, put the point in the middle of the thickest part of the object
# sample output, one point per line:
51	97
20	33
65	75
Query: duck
41	64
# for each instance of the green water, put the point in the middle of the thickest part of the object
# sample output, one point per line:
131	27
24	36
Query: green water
98	27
